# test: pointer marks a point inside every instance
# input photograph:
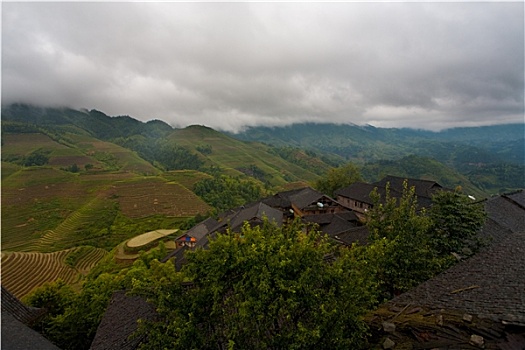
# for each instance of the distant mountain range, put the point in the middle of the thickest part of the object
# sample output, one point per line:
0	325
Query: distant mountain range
485	160
368	143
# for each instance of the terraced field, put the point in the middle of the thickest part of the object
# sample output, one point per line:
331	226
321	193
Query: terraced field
231	154
155	196
22	144
64	233
22	272
9	169
127	160
187	178
35	200
46	209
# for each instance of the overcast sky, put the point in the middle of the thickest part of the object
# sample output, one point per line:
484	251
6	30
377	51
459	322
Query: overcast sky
232	65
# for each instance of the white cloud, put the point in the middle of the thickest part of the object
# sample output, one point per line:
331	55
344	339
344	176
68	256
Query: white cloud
232	65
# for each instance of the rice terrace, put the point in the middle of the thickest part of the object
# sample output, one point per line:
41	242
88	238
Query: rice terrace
88	197
306	175
21	271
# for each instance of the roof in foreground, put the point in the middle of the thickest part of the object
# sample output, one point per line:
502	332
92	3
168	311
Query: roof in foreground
120	322
16	318
18	336
490	284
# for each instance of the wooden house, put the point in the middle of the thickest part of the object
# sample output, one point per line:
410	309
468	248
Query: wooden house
357	195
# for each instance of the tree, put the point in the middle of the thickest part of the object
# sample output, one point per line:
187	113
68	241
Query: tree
457	219
399	254
225	192
266	288
55	297
74	317
36	158
337	178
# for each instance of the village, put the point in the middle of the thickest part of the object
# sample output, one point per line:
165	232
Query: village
476	304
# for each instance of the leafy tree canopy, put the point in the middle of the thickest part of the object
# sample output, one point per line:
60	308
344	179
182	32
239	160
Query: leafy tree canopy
225	192
409	246
456	219
337	178
266	288
399	254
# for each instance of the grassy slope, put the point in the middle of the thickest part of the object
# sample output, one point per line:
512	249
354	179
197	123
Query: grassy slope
232	154
47	209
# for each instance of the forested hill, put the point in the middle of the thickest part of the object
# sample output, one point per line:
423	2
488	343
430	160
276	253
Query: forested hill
94	123
157	143
368	143
491	158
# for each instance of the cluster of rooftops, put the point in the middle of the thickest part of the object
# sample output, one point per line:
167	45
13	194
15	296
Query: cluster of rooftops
341	218
487	291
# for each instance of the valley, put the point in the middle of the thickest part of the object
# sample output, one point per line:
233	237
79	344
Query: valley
83	180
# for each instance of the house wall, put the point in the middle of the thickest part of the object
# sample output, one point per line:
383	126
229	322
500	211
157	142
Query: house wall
355	205
316	210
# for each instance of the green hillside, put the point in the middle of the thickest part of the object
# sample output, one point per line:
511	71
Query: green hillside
74	178
238	157
81	177
490	158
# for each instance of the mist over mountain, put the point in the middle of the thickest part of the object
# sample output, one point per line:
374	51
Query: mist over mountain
231	66
491	157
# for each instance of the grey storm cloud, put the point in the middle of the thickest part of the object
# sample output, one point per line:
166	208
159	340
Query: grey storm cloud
233	65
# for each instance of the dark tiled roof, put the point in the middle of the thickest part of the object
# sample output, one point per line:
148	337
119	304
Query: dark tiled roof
13	306
282	199
202	229
506	213
349	216
517	197
493	232
258	211
306	197
490	284
358	235
359	191
16	319
488	287
424	188
333	224
18	336
119	323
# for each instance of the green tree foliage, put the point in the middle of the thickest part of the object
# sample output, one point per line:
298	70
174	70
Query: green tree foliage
75	317
266	288
272	287
55	297
225	192
161	152
456	219
409	246
110	160
36	158
399	255
205	149
72	168
337	178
